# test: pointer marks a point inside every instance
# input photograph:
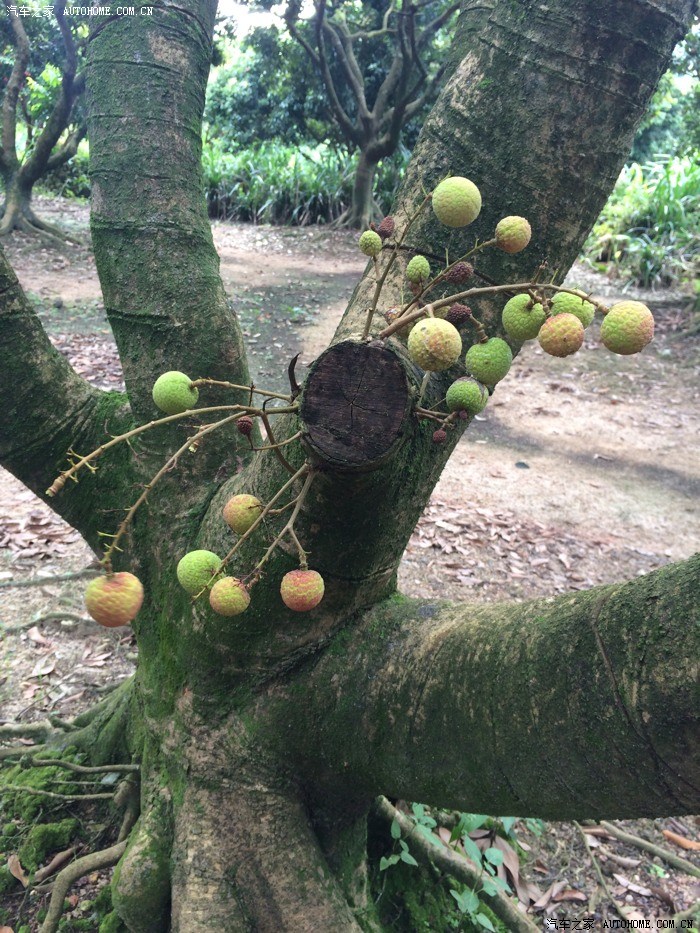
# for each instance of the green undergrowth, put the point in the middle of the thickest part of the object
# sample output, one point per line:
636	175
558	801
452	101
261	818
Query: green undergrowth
34	828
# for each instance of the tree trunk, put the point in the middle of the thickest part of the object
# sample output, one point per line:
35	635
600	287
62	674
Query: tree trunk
263	739
18	214
362	209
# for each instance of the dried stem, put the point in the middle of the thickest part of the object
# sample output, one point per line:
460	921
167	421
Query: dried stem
274	446
288	529
470	293
230	385
392	259
267	510
167	466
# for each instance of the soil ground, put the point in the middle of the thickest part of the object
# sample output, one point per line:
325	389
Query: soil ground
579	472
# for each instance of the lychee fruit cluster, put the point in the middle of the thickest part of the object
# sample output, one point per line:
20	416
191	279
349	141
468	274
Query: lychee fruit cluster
513	234
522	318
434	344
114	599
418	270
241	512
627	327
467	394
561	334
173	393
302	590
456	201
566	303
196	570
370	243
489	361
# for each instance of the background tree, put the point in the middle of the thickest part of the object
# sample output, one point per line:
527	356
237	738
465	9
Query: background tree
263	742
375	66
42	124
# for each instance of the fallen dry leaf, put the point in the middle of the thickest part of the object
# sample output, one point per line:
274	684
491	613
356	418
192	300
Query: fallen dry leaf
16	870
637	888
681	841
570	895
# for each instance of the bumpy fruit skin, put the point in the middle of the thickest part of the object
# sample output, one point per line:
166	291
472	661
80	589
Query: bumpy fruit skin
434	344
229	597
439	436
458	314
627	328
386	228
172	393
418	270
522	318
196	569
302	590
459	273
467	394
513	234
456	201
561	335
115	599
370	243
241	511
245	426
564	303
489	362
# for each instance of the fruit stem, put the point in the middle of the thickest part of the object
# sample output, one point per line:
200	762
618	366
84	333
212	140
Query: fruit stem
167	466
392	259
230	385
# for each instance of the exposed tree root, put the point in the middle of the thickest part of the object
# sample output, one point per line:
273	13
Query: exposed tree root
452	864
78	869
48	581
669	857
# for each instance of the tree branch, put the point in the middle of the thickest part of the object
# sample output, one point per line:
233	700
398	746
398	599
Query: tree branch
47	409
14	86
459	706
69	148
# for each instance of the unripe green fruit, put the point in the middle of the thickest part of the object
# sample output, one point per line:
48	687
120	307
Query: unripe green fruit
418	270
172	393
466	394
522	318
561	335
489	362
240	512
196	569
229	597
370	243
115	599
564	303
456	201
627	328
513	234
302	590
434	344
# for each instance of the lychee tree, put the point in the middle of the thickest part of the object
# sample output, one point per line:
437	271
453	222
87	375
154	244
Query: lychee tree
282	683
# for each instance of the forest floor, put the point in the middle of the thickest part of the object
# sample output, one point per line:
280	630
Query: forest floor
579	472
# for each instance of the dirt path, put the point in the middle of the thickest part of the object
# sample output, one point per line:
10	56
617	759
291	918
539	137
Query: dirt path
578	472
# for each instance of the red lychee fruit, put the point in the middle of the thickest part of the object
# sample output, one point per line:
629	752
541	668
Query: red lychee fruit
114	599
302	590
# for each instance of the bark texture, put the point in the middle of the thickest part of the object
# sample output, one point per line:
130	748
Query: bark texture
272	731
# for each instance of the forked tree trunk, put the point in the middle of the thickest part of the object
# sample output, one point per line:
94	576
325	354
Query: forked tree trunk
264	739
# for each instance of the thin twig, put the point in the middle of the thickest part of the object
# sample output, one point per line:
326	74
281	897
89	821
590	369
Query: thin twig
288	529
38	792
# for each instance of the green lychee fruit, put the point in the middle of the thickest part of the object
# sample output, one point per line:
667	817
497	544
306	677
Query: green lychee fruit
418	270
522	318
370	243
241	511
561	335
564	303
467	394
513	234
196	569
173	394
302	590
489	362
115	599
456	201
434	344
229	597
627	327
